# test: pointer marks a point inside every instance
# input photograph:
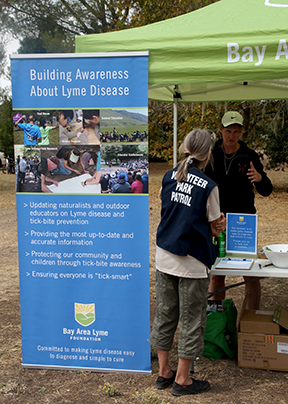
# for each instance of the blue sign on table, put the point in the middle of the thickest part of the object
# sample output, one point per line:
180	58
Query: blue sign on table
241	234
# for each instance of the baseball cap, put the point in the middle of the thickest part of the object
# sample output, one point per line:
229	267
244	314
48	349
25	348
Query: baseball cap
121	175
232	118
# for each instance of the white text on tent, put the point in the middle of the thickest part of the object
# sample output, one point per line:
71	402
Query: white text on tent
233	53
248	53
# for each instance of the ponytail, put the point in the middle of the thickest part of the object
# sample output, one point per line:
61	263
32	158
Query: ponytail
195	150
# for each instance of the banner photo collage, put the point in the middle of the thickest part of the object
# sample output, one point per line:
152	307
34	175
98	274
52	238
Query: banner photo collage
81	148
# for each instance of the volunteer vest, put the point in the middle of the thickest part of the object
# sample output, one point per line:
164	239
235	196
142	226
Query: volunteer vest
184	228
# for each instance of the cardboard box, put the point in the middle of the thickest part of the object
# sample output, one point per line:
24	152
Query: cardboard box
262	346
281	316
258	321
260	351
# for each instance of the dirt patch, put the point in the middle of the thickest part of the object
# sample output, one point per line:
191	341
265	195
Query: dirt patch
230	384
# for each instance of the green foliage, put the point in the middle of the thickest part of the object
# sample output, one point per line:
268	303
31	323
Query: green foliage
31	151
111	390
190	116
57	42
2	58
50	26
154	354
47	42
6	126
43	390
264	126
150	397
110	154
277	149
31	18
127	150
148	11
31	45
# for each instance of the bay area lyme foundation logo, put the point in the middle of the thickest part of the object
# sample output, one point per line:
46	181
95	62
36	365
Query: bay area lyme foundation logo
84	313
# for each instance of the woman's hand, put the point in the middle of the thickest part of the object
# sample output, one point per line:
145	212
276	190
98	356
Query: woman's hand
253	175
218	225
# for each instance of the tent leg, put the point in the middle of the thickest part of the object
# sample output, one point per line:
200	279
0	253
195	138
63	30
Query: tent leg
175	120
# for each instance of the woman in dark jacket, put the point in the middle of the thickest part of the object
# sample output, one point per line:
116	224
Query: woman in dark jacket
238	172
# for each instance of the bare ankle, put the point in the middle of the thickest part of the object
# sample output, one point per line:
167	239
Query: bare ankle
184	381
167	373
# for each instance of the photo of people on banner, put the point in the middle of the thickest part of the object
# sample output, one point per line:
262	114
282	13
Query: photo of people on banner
57	169
80	127
65	169
59	151
65	127
27	168
82	169
124	169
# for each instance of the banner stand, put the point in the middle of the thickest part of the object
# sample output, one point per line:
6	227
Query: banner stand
81	146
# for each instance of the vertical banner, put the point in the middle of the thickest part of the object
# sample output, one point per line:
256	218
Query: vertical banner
81	148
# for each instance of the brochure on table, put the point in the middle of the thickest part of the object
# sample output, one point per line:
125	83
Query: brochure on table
235	263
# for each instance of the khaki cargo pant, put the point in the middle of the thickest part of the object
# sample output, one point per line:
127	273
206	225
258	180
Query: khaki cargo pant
183	301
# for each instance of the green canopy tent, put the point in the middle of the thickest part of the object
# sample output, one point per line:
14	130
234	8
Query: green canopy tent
231	50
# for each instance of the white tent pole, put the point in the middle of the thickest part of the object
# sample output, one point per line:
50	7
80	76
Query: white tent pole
175	120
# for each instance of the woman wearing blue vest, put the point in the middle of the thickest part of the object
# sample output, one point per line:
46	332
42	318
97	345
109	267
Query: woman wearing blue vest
190	217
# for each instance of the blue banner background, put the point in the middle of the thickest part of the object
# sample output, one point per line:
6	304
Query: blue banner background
53	276
121	304
67	82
